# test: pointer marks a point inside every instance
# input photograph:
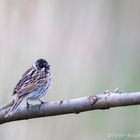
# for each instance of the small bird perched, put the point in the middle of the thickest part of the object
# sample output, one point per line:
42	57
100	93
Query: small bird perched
33	85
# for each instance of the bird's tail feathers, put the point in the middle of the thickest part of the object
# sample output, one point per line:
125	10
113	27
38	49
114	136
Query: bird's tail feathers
14	107
10	104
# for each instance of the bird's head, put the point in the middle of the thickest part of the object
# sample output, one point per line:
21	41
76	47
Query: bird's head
42	64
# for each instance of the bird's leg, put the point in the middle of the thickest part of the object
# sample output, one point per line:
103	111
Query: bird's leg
40	101
27	104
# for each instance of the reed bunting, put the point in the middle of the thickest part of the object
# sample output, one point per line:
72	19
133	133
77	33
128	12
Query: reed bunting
33	85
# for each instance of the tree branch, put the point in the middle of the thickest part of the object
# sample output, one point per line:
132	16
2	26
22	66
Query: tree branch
100	101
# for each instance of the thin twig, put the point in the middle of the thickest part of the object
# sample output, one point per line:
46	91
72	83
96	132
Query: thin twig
100	101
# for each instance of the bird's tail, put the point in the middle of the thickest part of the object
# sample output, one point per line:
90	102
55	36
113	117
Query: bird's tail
15	103
7	105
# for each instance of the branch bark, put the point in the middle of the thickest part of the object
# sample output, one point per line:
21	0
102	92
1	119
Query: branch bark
100	101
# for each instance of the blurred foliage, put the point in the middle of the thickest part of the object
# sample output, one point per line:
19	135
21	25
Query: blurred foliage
92	46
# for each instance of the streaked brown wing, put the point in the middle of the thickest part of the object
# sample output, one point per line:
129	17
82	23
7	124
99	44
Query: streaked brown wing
30	80
25	77
27	88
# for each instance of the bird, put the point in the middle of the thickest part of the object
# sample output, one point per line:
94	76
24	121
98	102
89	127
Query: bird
33	85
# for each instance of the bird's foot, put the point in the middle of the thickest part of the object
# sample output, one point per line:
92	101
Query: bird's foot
27	104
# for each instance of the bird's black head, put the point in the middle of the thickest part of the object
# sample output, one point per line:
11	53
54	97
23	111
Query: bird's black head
42	64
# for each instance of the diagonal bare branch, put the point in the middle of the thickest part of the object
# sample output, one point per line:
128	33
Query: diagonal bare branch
100	101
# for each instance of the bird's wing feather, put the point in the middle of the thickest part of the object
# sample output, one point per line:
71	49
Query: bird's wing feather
30	81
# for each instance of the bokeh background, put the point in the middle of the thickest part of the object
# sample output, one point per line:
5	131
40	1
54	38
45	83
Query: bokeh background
92	46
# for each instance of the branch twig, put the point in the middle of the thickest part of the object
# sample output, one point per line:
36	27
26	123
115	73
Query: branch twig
100	101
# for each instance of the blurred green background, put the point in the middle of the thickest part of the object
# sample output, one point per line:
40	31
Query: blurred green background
92	46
